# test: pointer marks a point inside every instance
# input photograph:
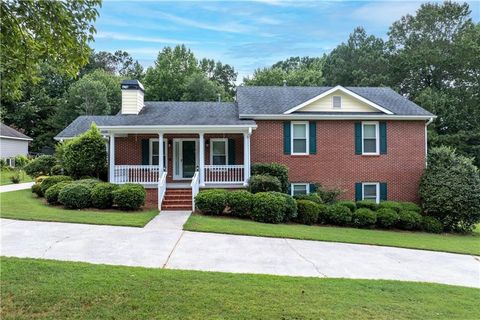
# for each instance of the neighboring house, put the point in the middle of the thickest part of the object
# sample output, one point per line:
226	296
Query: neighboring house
12	144
369	141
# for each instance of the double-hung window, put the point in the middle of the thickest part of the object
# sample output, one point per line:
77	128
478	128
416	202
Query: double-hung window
370	138
299	188
371	191
299	137
155	152
219	151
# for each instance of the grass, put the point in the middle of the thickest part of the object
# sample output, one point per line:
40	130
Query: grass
23	205
57	290
467	244
6	174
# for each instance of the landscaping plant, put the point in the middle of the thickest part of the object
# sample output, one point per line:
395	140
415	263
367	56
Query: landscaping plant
268	207
51	195
264	183
394	205
409	220
52	180
386	217
290	210
75	196
349	204
432	225
364	217
369	204
329	195
129	196
311	197
276	170
41	165
307	212
239	203
211	201
338	214
102	195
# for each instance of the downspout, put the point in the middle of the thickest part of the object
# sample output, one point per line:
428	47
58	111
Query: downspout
426	140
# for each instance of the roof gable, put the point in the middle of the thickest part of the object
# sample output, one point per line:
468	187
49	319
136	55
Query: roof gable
10	133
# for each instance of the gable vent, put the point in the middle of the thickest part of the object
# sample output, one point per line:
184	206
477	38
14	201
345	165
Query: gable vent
337	102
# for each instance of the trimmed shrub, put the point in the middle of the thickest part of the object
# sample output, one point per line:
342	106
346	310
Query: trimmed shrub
322	213
90	182
102	195
386	217
57	170
432	225
364	217
409	220
349	204
239	203
338	214
52	180
268	207
276	170
307	212
410	206
397	206
129	196
450	190
310	197
37	189
290	211
39	179
264	183
75	196
52	193
329	195
211	201
40	166
369	204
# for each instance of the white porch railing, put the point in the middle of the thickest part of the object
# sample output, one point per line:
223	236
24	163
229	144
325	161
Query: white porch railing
195	187
136	174
162	188
224	174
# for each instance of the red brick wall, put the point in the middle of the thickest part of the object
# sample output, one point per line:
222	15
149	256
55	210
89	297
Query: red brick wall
336	164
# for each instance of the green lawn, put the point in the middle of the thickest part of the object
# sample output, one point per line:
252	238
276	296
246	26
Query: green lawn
57	290
5	177
469	244
23	205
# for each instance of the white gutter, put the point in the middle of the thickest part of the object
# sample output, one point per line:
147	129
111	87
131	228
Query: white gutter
16	138
309	116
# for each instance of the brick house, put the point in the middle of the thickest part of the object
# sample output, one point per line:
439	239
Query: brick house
371	142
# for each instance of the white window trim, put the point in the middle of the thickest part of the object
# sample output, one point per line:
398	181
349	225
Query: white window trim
226	149
307	134
377	186
377	138
333	105
150	152
292	185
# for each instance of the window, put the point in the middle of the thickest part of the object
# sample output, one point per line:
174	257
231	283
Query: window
219	151
299	188
299	137
370	191
154	152
337	102
370	138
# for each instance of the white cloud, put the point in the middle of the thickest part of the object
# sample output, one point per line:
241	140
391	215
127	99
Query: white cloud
127	37
384	13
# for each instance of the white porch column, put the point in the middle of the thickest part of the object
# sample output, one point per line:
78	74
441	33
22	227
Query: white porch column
161	165
111	162
201	161
246	158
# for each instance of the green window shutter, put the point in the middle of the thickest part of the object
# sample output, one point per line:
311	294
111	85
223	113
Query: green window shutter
358	191
383	137
289	188
286	137
312	188
313	137
231	151
145	152
358	138
383	191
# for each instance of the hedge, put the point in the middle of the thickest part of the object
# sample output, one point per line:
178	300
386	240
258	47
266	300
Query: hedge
102	195
307	212
276	170
364	217
394	205
386	217
75	196
129	196
349	204
51	195
52	180
268	207
409	220
239	203
211	201
264	183
338	214
310	197
369	204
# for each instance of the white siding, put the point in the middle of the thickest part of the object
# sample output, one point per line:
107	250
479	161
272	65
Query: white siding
12	147
132	101
349	104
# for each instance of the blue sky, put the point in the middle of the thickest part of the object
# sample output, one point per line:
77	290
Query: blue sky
245	34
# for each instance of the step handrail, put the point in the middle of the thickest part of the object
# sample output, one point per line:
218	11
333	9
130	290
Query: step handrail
162	188
195	187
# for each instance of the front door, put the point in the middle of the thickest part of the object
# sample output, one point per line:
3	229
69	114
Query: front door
184	158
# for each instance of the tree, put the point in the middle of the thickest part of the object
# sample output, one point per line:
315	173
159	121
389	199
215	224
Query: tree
35	32
200	88
361	61
118	63
223	74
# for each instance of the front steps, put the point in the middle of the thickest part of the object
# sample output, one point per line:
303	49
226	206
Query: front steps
177	199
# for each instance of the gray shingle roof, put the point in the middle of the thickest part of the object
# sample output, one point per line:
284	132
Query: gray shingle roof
7	131
165	113
277	100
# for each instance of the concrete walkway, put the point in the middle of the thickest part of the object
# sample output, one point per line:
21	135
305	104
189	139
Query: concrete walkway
15	187
163	244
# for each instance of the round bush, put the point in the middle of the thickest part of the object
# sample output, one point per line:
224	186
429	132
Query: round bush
239	203
37	189
409	220
52	180
40	165
56	170
268	207
432	225
102	195
322	213
397	206
211	201
129	196
290	211
410	206
364	217
75	196
369	204
386	217
310	197
52	193
277	170
338	214
307	212
264	183
39	179
90	182
349	204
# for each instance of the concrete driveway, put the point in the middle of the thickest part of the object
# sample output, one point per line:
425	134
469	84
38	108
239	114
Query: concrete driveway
163	244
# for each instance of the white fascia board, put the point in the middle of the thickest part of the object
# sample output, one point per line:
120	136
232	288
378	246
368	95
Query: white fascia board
344	90
309	116
16	138
180	129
